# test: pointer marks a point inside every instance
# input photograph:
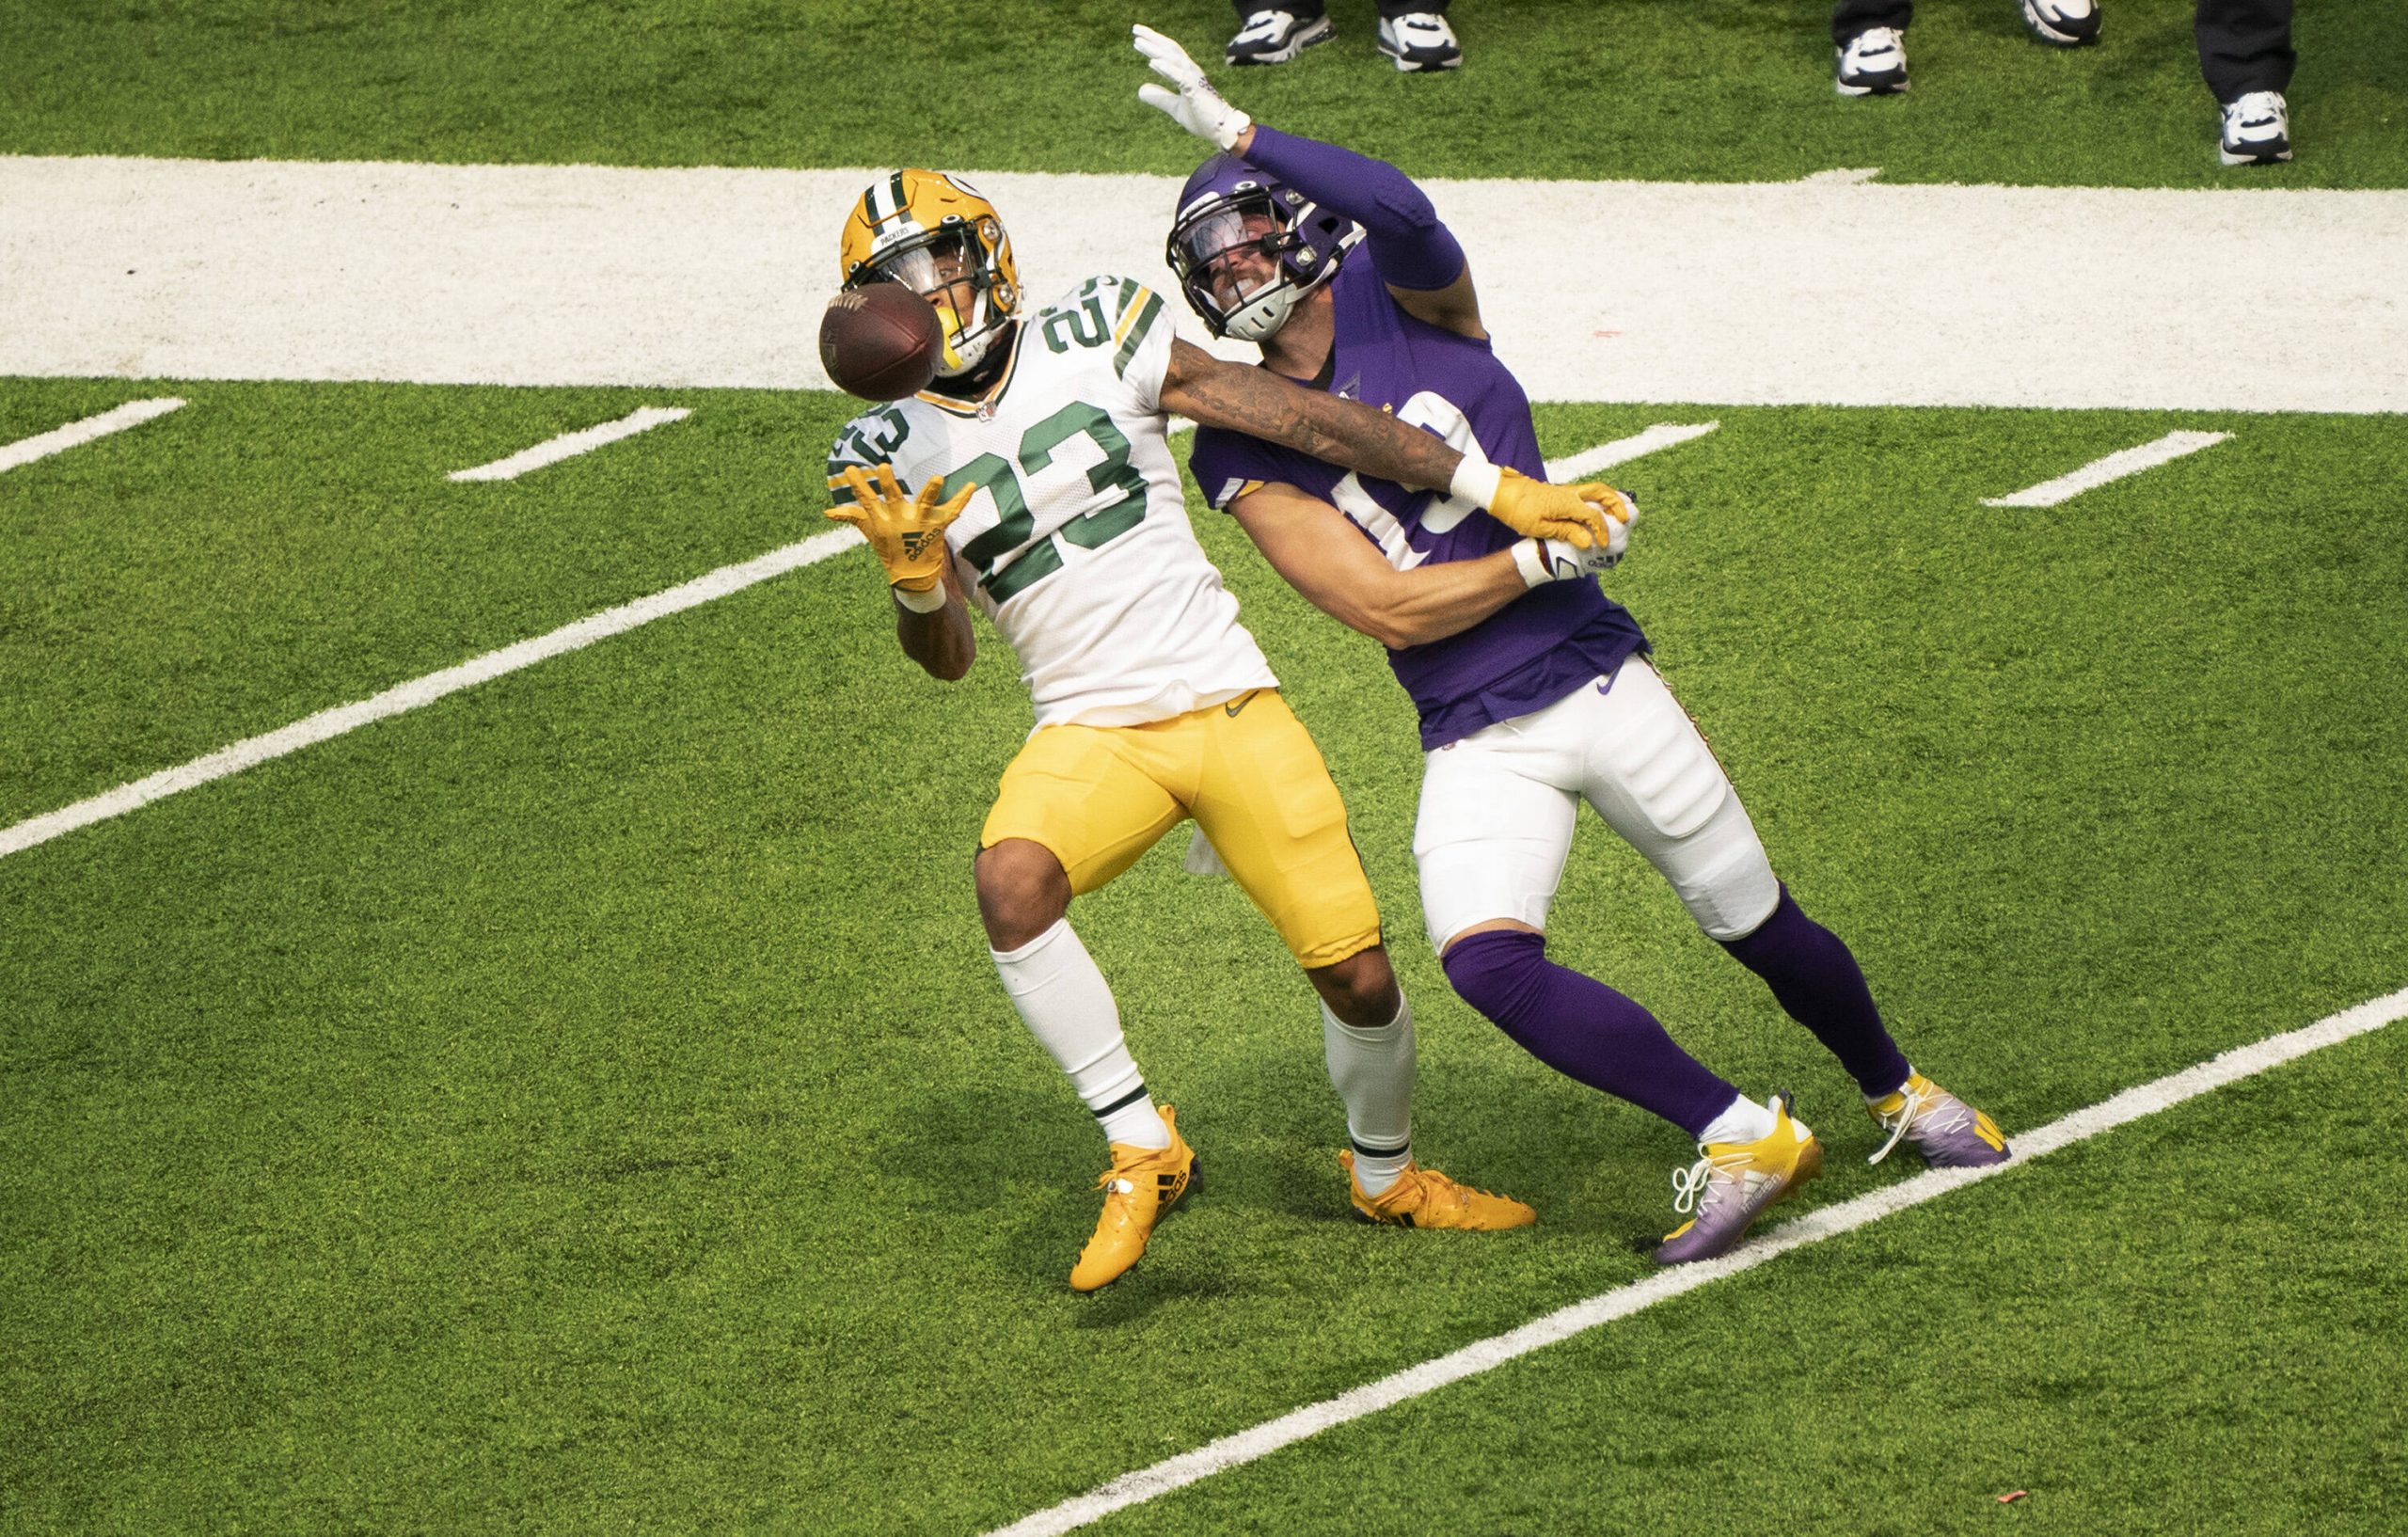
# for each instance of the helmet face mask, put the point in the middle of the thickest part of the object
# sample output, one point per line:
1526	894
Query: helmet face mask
938	236
1247	248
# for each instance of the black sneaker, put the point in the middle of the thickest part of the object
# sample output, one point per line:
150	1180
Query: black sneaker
1275	37
1872	63
1420	40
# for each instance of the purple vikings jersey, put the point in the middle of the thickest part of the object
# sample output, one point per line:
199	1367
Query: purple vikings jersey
1532	651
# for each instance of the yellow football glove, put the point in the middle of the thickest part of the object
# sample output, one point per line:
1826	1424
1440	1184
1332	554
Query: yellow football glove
907	532
1575	513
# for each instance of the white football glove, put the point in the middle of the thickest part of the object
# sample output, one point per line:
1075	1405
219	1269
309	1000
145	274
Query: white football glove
1543	561
1194	106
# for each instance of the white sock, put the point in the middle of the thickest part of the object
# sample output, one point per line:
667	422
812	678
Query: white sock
1069	1009
1743	1120
1373	1072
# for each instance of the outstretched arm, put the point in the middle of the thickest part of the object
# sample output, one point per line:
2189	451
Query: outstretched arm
1260	403
1415	254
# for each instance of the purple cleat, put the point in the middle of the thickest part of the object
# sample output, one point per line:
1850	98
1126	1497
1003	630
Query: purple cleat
1950	1134
1732	1181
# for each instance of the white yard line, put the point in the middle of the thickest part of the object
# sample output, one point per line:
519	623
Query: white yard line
569	445
330	724
425	690
1249	1444
2115	467
1623	449
1744	292
58	439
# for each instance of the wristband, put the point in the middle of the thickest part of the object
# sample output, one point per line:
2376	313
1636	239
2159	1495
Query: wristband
1531	559
927	602
1477	482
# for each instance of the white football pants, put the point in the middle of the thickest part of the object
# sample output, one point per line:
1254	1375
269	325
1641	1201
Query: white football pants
1498	810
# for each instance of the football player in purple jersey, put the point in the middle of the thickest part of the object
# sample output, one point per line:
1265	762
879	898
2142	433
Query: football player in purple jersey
1535	689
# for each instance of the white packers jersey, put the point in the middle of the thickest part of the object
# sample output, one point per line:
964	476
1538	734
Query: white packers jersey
1077	543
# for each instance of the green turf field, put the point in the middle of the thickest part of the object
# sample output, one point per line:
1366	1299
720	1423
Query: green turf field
1685	89
586	1104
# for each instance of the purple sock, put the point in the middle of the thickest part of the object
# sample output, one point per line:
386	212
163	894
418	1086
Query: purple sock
1584	1029
1820	983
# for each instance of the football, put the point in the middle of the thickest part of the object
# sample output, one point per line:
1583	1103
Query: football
880	343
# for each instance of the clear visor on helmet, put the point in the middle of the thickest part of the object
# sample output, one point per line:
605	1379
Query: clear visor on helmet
928	267
1232	250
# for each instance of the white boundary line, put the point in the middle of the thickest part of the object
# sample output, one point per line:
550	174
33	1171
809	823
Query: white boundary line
424	691
58	439
569	445
1623	449
253	751
2112	467
2131	1106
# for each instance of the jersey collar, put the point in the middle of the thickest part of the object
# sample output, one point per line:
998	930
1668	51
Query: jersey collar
983	408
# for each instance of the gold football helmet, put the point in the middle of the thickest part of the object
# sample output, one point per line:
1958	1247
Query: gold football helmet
936	234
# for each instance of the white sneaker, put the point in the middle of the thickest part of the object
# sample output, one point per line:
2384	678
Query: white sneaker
2256	129
1872	63
1420	40
1275	37
2065	24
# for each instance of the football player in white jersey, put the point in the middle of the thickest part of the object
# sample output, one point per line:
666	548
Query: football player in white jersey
1035	479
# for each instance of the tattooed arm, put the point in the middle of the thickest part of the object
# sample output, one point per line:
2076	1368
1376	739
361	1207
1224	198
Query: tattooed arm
1260	403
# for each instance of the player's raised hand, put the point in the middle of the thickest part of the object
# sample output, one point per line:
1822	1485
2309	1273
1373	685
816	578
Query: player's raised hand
1589	515
906	533
1194	106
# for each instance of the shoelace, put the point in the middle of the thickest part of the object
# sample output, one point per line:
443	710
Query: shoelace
1693	1187
1950	1115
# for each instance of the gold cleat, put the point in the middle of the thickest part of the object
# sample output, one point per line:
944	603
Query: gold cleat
1426	1198
1732	1181
1141	1185
1948	1132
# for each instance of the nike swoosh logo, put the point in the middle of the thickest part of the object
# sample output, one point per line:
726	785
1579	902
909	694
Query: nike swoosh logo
1238	704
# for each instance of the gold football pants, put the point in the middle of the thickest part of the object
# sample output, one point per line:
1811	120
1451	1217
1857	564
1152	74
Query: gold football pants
1247	772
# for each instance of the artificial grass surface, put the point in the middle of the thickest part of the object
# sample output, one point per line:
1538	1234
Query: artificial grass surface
1678	89
2143	1334
587	1101
272	551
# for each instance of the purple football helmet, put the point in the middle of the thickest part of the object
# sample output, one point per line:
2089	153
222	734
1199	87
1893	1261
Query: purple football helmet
1246	246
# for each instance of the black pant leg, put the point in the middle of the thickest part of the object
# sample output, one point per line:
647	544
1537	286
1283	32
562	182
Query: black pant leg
1850	16
2244	45
1391	10
1303	10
